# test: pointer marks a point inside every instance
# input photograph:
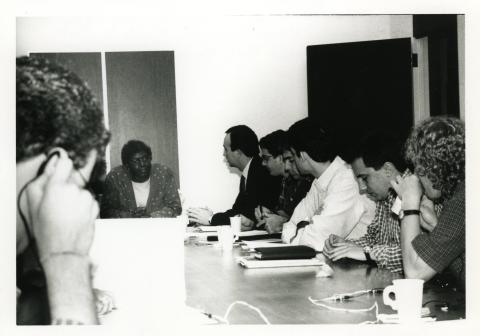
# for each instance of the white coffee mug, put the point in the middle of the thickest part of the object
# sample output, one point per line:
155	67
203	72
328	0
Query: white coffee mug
408	299
236	224
225	237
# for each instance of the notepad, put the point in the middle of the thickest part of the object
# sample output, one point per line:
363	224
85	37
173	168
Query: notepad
255	263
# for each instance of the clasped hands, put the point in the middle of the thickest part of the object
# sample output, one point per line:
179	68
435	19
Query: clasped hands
336	248
273	222
201	215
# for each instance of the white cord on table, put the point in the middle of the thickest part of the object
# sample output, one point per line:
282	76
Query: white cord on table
225	318
317	303
375	305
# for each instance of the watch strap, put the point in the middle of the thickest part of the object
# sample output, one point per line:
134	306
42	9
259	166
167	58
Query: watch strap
367	256
366	251
411	212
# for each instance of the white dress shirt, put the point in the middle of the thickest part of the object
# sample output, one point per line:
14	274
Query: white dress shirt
366	218
333	206
245	171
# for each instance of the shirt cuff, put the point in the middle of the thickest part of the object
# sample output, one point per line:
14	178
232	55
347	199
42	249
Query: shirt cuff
288	232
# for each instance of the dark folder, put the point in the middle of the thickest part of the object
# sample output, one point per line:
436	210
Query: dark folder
285	252
250	238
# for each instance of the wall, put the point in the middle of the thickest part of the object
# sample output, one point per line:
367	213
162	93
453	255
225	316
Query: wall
141	104
461	63
229	70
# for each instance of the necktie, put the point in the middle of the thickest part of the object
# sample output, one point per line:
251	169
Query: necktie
242	185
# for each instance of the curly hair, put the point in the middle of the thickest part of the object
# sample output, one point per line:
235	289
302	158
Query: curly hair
436	148
55	108
133	147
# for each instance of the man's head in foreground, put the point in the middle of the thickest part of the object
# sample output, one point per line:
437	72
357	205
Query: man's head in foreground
55	110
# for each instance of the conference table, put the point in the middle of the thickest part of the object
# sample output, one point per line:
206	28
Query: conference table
139	261
214	280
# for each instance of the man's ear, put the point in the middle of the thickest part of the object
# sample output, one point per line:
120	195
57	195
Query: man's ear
293	151
240	153
389	169
86	170
304	155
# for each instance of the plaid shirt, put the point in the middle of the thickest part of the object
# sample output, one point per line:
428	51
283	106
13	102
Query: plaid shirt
383	236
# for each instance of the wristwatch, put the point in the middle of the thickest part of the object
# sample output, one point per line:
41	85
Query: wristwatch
404	213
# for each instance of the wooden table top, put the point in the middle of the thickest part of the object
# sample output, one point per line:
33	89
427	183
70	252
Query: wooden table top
214	280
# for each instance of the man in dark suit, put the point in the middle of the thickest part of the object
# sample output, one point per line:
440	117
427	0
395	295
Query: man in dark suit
257	186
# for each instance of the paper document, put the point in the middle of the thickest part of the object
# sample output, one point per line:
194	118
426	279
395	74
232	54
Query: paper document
255	263
253	233
273	242
213	231
203	232
207	228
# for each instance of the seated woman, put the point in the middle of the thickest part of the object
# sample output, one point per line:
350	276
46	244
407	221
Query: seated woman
139	188
436	148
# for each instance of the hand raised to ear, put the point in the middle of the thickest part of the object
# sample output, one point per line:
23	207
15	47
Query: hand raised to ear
61	212
409	190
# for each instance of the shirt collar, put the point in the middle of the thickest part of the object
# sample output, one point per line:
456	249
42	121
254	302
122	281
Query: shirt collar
147	182
330	172
406	173
245	170
392	195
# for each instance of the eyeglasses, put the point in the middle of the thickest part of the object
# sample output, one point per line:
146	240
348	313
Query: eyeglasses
266	158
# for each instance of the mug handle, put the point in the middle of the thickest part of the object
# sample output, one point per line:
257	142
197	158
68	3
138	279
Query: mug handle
386	297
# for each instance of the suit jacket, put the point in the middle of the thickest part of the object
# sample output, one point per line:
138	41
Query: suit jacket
261	189
163	199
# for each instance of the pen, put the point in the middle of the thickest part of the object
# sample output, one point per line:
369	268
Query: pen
348	296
